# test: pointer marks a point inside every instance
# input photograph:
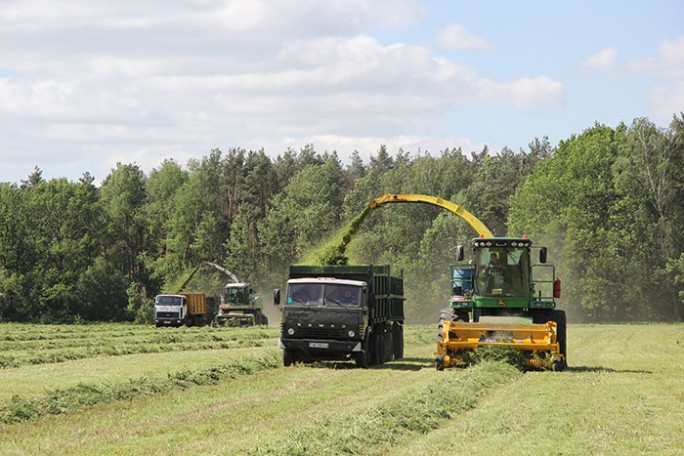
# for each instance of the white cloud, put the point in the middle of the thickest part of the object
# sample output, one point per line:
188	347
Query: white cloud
458	38
666	100
668	61
524	92
109	82
601	60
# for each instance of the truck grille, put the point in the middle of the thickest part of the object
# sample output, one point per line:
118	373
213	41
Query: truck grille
175	315
328	333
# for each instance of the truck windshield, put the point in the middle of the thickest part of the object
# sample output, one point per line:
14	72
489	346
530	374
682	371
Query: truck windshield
328	294
503	271
169	300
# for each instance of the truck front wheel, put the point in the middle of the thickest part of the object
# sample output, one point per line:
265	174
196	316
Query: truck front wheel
288	359
362	359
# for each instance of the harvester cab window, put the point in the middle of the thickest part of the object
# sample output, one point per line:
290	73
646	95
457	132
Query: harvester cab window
502	271
305	293
237	296
343	295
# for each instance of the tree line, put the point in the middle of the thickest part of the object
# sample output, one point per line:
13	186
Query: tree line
607	202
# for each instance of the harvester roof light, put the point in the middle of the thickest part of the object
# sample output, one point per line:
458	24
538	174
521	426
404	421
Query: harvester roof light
489	244
514	244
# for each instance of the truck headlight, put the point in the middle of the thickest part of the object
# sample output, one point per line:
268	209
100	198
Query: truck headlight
290	331
351	334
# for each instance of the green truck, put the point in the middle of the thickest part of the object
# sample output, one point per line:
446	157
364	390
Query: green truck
342	313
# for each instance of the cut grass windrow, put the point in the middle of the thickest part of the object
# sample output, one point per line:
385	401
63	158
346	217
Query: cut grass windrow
76	398
83	344
59	356
381	427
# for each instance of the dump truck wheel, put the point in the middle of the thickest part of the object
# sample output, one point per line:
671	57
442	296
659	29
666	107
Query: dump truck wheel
362	359
439	362
398	336
287	358
378	347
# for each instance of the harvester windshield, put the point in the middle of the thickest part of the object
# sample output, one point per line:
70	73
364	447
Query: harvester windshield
502	271
237	295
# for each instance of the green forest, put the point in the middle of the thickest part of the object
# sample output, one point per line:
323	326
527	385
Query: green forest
607	202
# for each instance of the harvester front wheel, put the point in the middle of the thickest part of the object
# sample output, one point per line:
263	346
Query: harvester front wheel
452	315
561	327
439	362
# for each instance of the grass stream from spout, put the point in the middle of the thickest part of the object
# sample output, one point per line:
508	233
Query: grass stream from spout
334	252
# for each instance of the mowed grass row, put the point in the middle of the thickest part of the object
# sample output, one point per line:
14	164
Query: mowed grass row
621	395
32	392
87	343
234	416
27	331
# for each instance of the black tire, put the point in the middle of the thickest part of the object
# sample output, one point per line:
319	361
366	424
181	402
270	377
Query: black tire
452	315
288	359
561	328
444	315
439	362
362	359
541	316
378	349
398	331
264	320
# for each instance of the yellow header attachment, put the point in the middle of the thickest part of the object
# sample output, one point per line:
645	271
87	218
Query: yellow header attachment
454	208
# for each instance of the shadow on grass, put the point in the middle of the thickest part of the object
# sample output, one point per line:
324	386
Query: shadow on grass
609	370
404	364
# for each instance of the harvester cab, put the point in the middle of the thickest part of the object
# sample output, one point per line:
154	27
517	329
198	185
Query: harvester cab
503	298
240	307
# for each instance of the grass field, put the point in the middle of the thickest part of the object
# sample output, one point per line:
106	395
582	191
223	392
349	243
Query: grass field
124	389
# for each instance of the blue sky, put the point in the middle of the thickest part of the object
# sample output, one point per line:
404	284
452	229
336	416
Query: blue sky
85	85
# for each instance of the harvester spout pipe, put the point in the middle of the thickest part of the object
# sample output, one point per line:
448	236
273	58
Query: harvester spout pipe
454	208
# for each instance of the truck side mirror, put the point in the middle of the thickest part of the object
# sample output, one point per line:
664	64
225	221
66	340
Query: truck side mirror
459	253
542	255
276	296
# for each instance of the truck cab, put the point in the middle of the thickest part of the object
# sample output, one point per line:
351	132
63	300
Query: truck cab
323	318
342	312
170	309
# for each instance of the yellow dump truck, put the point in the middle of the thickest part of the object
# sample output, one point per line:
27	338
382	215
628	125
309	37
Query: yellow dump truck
191	309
